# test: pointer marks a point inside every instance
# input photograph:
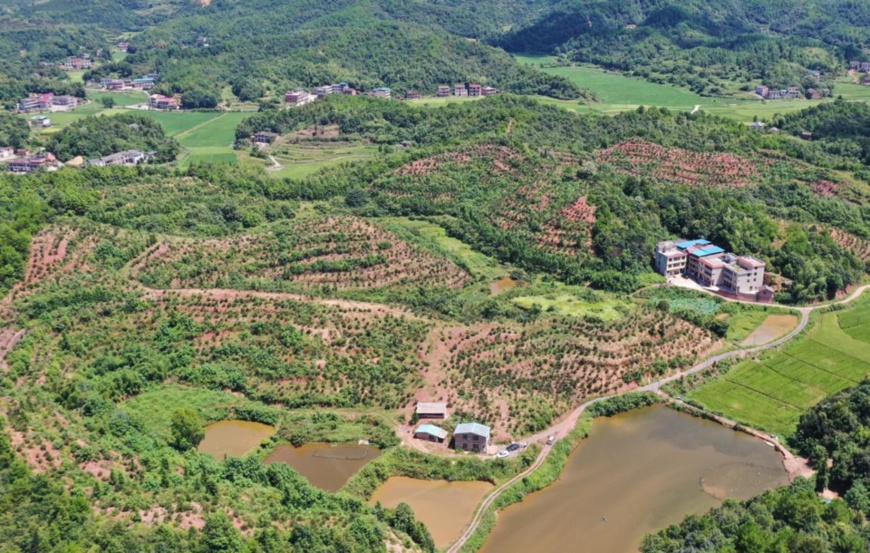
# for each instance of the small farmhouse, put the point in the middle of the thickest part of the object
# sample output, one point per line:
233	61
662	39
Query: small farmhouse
266	137
431	410
430	433
471	436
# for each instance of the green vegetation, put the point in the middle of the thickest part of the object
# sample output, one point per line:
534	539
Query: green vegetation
606	309
772	394
100	136
493	185
711	49
615	92
792	518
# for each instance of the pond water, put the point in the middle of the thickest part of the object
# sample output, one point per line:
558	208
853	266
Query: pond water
234	438
503	284
327	466
445	507
637	473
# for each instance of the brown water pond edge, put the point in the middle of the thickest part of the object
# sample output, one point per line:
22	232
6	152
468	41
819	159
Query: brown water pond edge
327	466
550	471
234	438
794	465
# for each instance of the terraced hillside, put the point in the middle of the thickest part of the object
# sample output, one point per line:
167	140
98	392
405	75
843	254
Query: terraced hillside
339	253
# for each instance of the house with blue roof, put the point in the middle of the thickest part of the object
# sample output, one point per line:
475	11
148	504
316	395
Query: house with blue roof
430	433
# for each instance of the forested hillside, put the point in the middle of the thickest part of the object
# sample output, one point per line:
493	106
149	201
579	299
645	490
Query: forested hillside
650	173
100	136
710	47
279	45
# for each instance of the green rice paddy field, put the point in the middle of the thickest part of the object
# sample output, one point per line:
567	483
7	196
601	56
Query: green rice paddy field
771	393
616	93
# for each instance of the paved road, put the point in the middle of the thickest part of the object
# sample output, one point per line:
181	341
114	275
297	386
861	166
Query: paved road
564	427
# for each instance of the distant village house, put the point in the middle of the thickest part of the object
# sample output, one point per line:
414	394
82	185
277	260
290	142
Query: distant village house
443	91
264	137
127	158
158	101
29	164
6	152
460	91
474	90
76	63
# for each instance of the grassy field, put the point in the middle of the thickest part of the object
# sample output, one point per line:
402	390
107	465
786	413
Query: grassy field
303	159
436	238
177	122
613	89
618	93
771	393
607	309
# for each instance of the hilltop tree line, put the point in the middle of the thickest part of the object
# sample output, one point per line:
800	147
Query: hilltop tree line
93	137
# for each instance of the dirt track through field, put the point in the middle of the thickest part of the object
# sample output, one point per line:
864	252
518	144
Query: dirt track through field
562	428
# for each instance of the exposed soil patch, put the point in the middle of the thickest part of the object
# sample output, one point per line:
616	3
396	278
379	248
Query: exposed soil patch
773	327
501	158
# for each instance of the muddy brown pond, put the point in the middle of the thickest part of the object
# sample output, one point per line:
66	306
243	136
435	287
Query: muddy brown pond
234	438
637	473
444	507
327	466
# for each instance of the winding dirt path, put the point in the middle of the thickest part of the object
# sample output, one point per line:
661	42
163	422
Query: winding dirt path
563	427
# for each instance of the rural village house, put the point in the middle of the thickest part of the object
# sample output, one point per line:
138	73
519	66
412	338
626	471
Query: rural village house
430	433
709	265
471	436
431	410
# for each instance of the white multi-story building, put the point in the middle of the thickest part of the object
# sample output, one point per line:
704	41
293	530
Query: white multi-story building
711	266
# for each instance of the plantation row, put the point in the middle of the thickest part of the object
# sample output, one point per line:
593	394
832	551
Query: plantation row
336	252
640	158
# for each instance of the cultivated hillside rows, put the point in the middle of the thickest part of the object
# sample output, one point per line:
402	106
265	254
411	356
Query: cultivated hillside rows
342	253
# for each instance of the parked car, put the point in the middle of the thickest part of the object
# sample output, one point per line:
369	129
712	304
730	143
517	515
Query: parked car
551	439
503	453
513	447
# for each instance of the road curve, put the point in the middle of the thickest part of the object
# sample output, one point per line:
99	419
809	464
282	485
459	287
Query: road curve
562	428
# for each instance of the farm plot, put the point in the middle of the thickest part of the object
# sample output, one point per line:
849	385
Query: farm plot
640	158
329	253
772	394
177	122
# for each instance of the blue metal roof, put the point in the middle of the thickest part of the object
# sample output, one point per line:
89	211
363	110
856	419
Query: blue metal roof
431	429
689	243
709	250
472	428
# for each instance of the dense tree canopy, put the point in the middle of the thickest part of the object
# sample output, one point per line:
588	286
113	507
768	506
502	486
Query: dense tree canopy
93	137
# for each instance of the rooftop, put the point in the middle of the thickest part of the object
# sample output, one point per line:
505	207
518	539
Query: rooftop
432	429
689	243
704	251
431	408
472	428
